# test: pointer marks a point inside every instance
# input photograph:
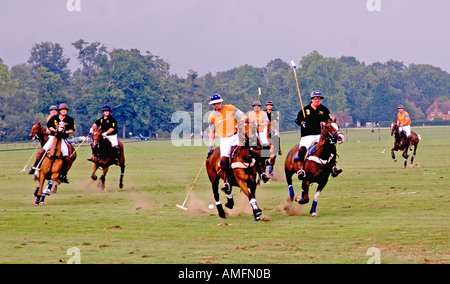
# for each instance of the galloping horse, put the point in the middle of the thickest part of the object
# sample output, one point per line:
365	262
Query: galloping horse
104	157
38	132
400	143
244	162
318	164
50	168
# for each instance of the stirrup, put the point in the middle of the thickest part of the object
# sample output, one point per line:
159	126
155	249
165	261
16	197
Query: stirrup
265	178
335	171
226	188
301	174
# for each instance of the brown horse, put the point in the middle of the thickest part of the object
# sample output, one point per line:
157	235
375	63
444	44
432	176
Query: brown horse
401	143
50	168
244	171
317	166
38	132
104	156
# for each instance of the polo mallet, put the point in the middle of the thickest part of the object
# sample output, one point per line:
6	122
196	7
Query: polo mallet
192	187
298	88
32	155
85	138
386	145
259	93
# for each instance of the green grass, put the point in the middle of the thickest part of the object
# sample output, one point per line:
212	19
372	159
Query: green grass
374	203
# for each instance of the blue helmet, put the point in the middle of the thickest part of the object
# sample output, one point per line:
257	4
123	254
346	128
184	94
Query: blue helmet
316	94
216	98
106	108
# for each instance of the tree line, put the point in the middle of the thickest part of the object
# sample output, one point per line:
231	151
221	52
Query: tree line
144	93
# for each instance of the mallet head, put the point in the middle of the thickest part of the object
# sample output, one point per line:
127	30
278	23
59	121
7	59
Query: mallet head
293	63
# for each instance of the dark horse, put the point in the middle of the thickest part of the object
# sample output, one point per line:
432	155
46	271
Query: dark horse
244	161
104	157
401	143
318	164
50	168
38	132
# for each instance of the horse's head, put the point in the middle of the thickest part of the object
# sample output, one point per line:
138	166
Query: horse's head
394	128
96	136
331	132
247	132
35	130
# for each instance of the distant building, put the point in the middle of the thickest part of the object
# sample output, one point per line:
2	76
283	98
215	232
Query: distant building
437	109
343	118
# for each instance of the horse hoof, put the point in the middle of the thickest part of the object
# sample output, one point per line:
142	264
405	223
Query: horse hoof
257	214
314	214
303	201
93	177
221	211
120	186
230	203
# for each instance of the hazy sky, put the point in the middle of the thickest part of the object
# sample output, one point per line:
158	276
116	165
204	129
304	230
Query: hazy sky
218	35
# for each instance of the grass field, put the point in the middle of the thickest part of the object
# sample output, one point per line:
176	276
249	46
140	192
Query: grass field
404	213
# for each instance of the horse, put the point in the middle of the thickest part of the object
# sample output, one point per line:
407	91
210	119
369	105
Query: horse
269	153
400	143
244	162
317	165
104	156
38	132
50	168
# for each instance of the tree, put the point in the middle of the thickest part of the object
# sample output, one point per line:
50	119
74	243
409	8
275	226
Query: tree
50	55
323	74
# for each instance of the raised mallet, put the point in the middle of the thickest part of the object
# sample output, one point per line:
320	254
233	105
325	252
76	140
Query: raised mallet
298	88
192	187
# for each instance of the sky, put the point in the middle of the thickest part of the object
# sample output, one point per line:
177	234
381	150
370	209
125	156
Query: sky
219	35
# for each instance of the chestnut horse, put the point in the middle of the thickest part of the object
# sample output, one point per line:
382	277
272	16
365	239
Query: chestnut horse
318	164
244	162
38	132
103	156
400	143
50	168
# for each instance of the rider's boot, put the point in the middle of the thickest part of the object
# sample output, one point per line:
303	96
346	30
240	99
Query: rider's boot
38	159
224	169
64	169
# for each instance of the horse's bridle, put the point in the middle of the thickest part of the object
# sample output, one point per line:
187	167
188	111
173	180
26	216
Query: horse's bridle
333	138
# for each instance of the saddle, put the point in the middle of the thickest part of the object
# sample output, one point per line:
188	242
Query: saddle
316	159
238	165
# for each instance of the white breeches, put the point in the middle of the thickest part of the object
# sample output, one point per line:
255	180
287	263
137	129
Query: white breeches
263	137
113	139
64	147
307	141
226	144
406	128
